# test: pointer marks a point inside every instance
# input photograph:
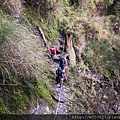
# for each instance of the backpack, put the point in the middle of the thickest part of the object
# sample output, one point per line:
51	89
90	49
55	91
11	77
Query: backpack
65	61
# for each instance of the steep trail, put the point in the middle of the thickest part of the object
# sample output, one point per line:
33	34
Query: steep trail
63	91
99	83
63	94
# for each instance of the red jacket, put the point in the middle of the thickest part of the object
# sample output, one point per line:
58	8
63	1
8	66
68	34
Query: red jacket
52	50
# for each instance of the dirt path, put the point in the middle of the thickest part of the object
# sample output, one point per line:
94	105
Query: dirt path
62	94
63	91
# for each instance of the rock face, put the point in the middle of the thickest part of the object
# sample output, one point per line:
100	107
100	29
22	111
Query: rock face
70	50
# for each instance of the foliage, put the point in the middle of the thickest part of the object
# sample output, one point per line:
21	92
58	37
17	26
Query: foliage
49	26
40	7
14	7
27	73
65	2
102	58
116	8
88	99
108	3
51	30
31	18
5	30
91	4
45	94
1	105
23	67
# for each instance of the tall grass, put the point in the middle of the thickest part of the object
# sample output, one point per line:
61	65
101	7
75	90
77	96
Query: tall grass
22	64
15	7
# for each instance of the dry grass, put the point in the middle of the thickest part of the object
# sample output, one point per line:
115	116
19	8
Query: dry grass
22	64
21	52
15	7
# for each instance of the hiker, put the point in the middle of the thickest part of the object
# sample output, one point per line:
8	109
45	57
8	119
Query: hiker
63	63
52	51
60	74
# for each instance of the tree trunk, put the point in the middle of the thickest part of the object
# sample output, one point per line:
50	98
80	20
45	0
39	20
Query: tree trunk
79	46
70	50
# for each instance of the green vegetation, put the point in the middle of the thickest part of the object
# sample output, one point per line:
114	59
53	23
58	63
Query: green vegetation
25	74
25	71
103	59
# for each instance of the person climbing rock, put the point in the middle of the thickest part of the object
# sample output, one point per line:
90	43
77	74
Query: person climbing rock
63	63
52	51
60	74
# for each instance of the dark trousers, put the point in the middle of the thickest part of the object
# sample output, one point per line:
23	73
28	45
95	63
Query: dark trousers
62	66
59	77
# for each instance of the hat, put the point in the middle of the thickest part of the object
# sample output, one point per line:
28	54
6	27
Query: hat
59	68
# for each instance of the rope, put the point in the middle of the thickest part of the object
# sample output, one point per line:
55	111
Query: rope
61	83
58	104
